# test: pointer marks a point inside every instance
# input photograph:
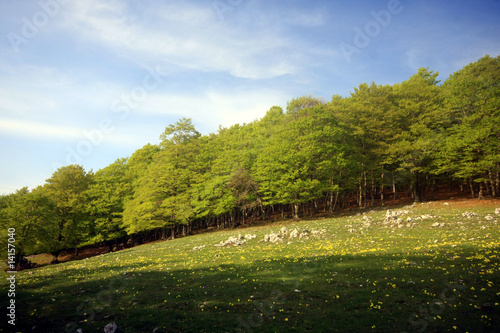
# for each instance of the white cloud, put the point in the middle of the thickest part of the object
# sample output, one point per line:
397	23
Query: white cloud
183	34
40	130
36	129
215	108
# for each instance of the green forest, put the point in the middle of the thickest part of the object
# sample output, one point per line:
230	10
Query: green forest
315	156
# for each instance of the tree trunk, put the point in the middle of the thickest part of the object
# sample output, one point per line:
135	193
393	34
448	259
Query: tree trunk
471	185
336	201
497	181
374	189
365	189
296	208
417	187
493	186
481	191
360	200
394	186
315	207
382	189
55	255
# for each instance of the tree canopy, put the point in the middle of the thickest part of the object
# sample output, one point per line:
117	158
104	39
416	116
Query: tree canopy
405	137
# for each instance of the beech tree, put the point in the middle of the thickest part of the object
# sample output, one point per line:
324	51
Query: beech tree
33	216
313	155
67	188
107	194
162	198
420	119
471	149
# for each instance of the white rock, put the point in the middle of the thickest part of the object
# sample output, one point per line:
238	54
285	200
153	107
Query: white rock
273	238
318	232
294	233
110	328
497	211
304	234
469	214
489	218
236	241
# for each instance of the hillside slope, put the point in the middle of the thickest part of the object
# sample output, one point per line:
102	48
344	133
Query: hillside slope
428	267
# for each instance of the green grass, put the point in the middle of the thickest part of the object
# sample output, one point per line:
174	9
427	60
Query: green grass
377	279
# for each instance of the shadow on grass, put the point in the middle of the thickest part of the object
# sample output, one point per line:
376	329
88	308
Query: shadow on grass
315	294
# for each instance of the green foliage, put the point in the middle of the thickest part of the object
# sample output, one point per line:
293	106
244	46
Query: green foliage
302	155
110	189
471	146
33	216
68	189
409	136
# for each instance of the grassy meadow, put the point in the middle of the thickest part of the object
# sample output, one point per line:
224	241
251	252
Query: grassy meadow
359	275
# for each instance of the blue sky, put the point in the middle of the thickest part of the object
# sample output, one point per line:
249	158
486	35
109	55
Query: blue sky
89	82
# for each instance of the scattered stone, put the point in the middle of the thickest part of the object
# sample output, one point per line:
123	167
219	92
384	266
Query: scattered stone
489	218
318	232
198	248
438	225
304	234
469	214
285	233
352	230
111	328
392	216
275	237
294	233
427	217
497	211
250	237
446	204
233	240
79	330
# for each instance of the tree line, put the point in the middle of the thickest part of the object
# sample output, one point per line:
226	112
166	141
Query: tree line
315	155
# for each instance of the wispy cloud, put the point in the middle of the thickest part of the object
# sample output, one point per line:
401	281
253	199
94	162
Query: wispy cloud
51	132
36	129
189	36
214	108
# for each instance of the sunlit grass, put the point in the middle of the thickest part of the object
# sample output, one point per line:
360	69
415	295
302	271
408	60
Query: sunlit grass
376	279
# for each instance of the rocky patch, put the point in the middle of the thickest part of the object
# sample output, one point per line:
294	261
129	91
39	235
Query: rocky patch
236	240
288	235
469	215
